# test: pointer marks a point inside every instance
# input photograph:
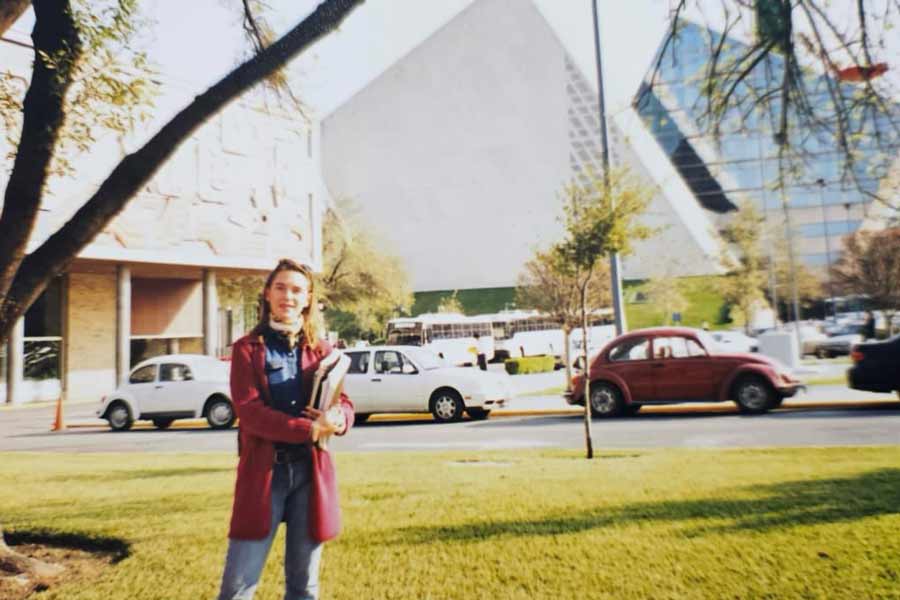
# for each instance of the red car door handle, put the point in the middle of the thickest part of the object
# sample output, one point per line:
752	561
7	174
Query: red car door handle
657	365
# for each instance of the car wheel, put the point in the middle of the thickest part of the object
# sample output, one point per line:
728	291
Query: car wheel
220	413
477	414
119	417
163	423
820	353
633	409
447	406
606	400
360	418
753	395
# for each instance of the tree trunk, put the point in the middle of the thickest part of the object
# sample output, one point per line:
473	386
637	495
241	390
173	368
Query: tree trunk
12	561
55	35
588	441
567	357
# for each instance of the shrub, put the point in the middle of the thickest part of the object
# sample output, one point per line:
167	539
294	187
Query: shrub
529	364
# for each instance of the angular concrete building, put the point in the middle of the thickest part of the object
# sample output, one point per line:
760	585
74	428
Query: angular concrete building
458	152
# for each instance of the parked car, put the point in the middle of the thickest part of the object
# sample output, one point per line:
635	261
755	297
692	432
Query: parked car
811	335
402	379
876	366
664	365
174	386
840	342
734	341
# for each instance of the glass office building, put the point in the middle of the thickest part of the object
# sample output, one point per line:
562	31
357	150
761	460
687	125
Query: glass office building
741	163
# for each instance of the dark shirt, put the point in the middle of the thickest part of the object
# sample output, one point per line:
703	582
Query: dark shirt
284	377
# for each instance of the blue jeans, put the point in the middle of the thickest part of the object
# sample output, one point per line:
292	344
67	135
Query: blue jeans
246	558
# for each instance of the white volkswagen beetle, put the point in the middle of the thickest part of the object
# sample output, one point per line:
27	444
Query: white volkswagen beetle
401	379
174	386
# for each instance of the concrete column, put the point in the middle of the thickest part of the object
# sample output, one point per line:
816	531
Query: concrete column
123	322
210	313
15	362
64	332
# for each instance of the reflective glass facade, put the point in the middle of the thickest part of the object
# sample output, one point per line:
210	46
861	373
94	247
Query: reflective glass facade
740	164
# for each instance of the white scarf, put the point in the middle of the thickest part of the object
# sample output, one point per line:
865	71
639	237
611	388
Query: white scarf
291	331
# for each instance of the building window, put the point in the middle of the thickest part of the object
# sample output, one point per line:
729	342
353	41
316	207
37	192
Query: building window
43	335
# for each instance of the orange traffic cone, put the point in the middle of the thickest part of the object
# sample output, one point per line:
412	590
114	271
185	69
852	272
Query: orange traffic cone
59	423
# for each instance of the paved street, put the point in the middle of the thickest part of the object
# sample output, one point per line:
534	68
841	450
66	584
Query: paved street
824	417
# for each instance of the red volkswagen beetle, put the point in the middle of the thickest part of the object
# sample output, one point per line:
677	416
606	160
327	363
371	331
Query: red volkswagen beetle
664	365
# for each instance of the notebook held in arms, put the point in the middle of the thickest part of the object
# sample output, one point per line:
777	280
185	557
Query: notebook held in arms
328	381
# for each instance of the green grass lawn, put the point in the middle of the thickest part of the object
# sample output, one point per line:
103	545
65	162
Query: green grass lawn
705	304
792	523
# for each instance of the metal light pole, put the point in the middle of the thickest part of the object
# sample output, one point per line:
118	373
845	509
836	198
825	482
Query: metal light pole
821	183
614	265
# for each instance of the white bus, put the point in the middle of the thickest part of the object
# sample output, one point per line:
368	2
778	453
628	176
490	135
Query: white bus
531	333
449	335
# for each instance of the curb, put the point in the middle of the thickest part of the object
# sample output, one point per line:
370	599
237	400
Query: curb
717	407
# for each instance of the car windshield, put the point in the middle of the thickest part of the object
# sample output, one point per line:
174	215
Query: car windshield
425	359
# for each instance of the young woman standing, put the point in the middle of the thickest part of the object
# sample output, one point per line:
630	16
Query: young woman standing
271	378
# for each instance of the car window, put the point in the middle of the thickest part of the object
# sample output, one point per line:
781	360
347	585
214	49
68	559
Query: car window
694	349
174	372
676	347
359	362
393	362
145	374
631	349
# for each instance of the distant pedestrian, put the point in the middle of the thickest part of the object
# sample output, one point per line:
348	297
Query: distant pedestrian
481	349
868	331
279	468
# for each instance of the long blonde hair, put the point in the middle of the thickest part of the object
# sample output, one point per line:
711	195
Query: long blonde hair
312	317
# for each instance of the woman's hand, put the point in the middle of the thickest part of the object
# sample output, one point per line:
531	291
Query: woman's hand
324	424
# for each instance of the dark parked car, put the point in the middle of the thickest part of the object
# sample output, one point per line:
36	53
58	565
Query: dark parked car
664	365
877	366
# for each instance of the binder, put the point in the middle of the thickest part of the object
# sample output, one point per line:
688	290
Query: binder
328	380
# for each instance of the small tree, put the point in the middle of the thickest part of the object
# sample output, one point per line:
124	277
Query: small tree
451	304
744	283
600	219
545	285
809	285
870	266
363	285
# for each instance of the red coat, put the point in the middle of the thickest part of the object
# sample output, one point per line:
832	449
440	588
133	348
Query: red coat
260	427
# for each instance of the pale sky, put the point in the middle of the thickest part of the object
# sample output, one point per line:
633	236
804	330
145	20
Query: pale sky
195	43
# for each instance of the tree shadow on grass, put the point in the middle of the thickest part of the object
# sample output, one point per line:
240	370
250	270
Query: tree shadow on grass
118	550
778	506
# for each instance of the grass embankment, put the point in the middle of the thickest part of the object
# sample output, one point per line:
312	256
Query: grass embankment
705	304
798	523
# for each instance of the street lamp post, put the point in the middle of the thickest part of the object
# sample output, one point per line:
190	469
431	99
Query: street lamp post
614	263
821	183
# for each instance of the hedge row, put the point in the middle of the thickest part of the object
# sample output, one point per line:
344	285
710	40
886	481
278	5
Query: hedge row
529	364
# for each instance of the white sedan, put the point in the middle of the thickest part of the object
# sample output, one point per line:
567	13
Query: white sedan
399	379
175	386
734	341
